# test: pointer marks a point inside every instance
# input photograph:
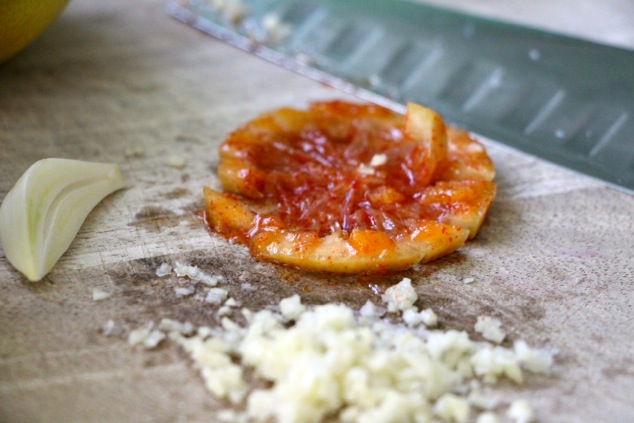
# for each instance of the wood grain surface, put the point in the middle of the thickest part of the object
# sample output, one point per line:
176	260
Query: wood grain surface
554	260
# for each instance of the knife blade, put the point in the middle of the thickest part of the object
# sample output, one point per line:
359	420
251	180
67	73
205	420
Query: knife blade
565	100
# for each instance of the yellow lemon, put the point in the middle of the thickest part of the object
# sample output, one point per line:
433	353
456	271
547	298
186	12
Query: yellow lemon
21	21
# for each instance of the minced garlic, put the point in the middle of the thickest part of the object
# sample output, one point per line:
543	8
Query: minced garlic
99	294
147	337
401	296
314	363
353	366
216	295
490	328
521	411
292	307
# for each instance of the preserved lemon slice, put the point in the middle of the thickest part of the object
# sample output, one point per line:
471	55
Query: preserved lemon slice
350	188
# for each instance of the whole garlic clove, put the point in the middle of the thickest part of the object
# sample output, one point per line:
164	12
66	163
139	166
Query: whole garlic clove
41	215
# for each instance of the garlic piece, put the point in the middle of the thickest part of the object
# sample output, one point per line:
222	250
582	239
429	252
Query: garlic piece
41	215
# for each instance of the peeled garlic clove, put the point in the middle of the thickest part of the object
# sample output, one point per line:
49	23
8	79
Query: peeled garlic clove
41	215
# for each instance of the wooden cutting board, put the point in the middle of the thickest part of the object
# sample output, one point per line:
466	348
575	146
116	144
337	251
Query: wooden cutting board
553	261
